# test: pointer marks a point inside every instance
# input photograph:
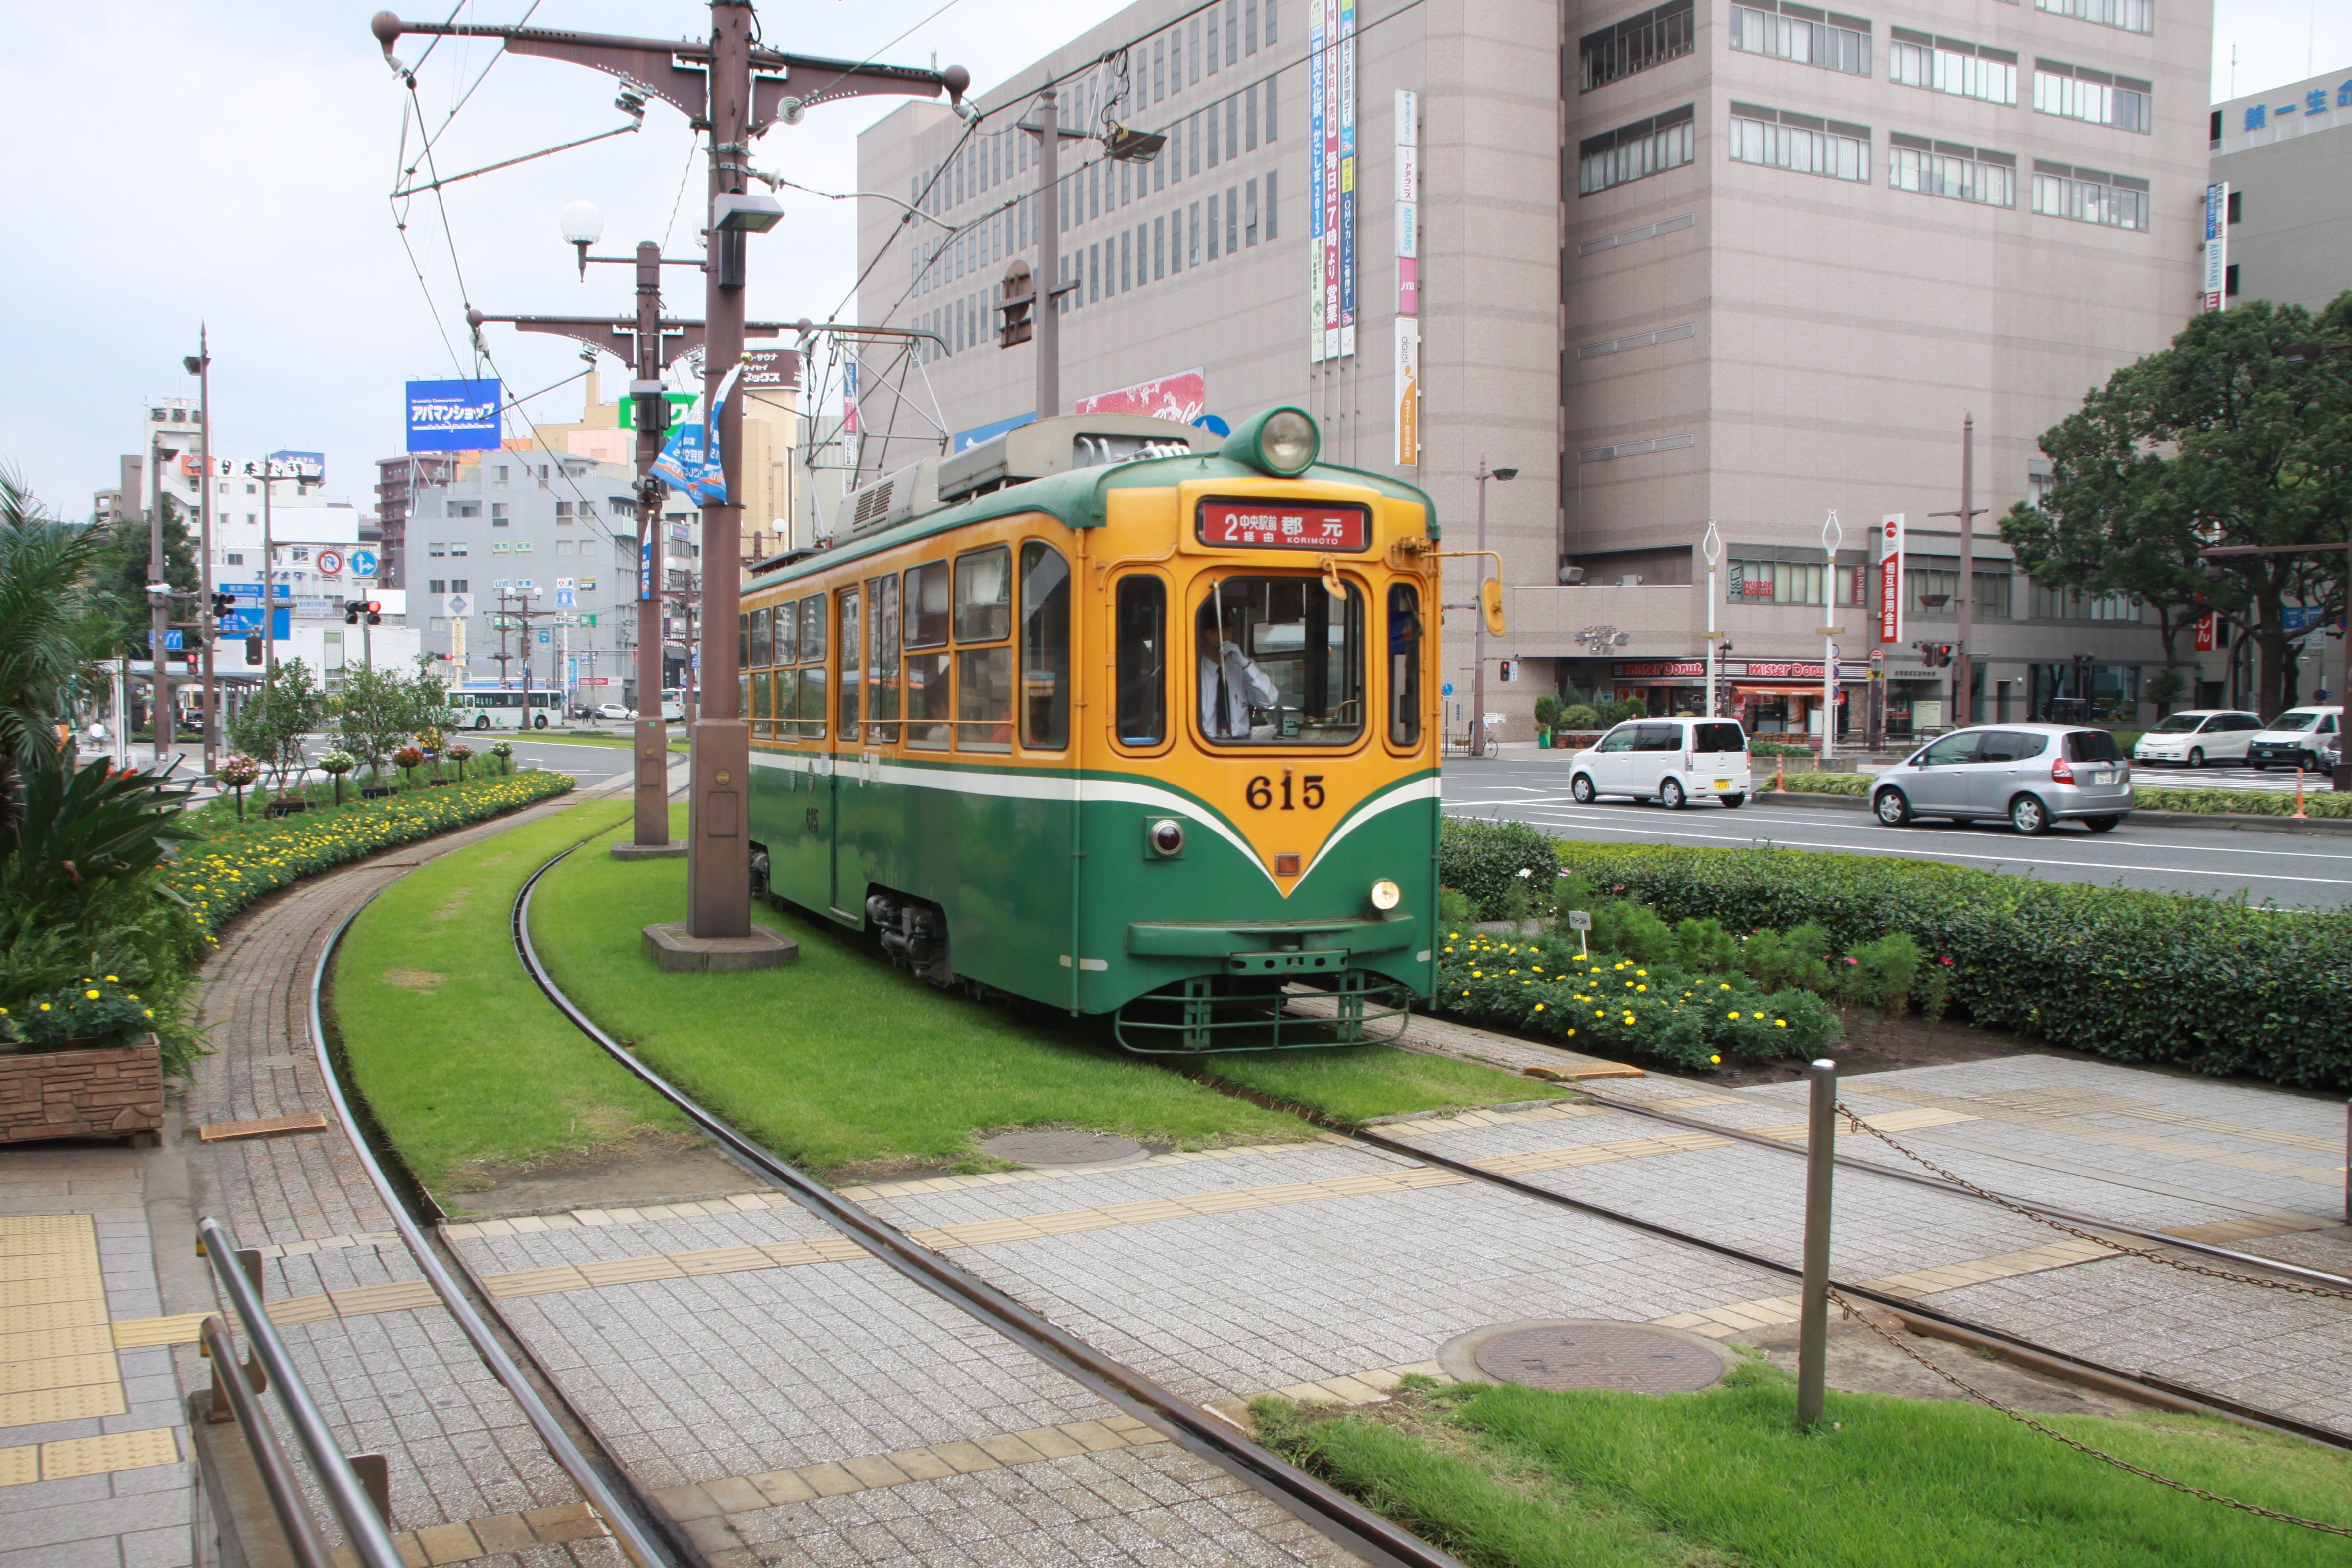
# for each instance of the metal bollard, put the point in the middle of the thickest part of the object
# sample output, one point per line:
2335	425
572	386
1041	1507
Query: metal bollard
1813	1322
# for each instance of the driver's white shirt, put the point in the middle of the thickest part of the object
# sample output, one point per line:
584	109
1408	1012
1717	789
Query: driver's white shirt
1246	686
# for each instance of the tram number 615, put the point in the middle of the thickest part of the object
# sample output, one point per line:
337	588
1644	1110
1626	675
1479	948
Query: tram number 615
1260	794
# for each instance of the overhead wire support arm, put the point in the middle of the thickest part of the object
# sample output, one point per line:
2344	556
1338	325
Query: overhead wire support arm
510	163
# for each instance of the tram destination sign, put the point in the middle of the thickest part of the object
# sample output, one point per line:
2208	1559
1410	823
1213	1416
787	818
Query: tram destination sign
1251	525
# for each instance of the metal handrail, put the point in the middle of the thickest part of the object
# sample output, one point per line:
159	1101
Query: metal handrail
278	1476
363	1528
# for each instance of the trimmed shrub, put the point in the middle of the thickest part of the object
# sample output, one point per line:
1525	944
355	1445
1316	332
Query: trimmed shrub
2215	985
1879	973
1483	861
1580	716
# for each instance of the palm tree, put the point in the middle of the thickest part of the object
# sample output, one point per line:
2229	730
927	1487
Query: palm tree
47	623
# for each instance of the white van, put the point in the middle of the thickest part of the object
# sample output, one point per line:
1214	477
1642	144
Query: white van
2294	739
1670	761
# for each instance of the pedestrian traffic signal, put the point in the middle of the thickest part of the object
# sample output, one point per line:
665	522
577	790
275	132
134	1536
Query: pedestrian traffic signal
1020	298
253	649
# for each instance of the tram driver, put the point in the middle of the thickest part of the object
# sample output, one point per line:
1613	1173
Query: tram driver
1232	684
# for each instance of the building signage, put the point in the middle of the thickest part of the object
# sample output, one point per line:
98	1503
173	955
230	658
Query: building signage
1890	578
771	370
2206	628
1746	670
1408	391
310	466
454	416
1183	397
964	440
1407	362
1331	177
680	401
2217	244
1256	526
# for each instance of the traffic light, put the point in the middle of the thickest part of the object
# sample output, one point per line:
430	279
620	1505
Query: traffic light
224	604
1020	298
253	649
375	612
351	608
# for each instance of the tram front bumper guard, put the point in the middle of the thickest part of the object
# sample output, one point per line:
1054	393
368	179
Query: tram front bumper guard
1271	947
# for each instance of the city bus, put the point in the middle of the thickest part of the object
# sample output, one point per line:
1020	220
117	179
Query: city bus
472	708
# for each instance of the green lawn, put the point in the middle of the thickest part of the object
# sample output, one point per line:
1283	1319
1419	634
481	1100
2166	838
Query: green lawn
466	1066
841	1064
1356	1083
1512	1478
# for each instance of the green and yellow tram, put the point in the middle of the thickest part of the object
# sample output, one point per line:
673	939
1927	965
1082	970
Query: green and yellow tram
1117	717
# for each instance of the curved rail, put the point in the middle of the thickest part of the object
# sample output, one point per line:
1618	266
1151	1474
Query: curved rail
621	1515
1336	1516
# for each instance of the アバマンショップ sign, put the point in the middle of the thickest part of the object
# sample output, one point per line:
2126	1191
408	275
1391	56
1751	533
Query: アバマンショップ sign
1248	525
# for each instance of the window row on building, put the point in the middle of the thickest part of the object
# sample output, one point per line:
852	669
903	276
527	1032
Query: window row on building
1927	591
1801	143
1635	152
1801	35
1637	43
1951	169
2097	97
1244	215
1194	48
1198	143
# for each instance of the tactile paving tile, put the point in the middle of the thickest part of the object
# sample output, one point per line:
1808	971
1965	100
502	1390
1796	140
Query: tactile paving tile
114	1451
50	1286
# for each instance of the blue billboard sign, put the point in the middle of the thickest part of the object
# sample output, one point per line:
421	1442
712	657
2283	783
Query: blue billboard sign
967	439
454	416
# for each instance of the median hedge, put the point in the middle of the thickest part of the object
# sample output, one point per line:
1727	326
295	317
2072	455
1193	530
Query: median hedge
2316	801
2216	985
231	863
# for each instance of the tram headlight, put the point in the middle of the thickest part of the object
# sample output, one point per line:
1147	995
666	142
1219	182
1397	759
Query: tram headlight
1386	895
1281	441
1165	838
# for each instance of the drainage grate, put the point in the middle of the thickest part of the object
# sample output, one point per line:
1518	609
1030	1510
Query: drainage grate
1599	1355
1053	1148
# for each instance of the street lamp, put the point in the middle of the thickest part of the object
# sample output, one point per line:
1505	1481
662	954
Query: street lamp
1478	635
582	224
200	365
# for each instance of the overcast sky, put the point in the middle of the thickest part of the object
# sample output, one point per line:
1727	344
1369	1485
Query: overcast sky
229	165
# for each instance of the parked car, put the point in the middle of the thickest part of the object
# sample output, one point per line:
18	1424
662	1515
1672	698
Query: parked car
2033	775
2198	736
2294	739
1670	761
615	710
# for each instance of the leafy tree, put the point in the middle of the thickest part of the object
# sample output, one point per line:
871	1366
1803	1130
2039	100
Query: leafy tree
429	695
272	722
120	574
379	713
51	629
2219	441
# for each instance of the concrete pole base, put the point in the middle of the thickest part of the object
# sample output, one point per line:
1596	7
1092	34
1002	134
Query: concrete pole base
670	945
673	850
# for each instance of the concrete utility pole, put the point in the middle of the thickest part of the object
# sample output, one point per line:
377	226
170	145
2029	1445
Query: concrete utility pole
1479	631
200	365
1047	311
1964	668
159	612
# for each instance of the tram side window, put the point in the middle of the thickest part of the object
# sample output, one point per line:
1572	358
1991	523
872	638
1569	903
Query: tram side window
761	709
787	637
1140	627
756	646
882	593
931	699
810	701
1281	663
983	614
1405	665
1044	647
852	681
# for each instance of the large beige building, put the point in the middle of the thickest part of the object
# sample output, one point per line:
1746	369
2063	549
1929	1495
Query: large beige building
1740	263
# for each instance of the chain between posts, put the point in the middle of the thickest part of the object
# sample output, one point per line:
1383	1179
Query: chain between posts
2149	1254
1851	1311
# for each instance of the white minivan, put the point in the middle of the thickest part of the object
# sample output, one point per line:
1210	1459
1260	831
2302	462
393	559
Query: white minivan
2294	739
1670	761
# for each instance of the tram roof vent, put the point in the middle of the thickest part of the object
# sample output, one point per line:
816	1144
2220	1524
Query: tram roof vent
892	499
1056	445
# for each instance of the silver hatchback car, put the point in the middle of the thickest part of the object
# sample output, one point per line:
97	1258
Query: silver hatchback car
2033	775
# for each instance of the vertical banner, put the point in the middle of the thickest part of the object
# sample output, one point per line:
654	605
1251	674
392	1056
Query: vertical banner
2217	244
1408	391
2205	625
1319	230
1890	578
1347	241
1408	202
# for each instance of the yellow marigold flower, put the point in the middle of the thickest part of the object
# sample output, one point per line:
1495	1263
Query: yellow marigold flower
1734	1013
149	1012
1641	988
1779	1023
1540	1006
45	1006
1714	1059
91	994
111	977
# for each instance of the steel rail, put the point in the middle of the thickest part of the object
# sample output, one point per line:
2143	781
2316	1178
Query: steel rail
1337	1516
1903	1306
277	1477
363	1528
620	1516
1937	1184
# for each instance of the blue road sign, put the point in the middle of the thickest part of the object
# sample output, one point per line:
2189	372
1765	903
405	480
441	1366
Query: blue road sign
363	562
240	622
171	639
1447	691
546	637
565	598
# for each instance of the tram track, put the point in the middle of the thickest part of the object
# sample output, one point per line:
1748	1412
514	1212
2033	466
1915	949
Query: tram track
1203	1433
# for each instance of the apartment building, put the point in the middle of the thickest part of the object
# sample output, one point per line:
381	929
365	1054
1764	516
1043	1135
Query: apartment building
1748	264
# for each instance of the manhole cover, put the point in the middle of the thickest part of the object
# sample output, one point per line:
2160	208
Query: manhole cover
1599	1355
1050	1148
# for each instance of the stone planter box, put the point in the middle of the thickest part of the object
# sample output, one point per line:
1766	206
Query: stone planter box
106	1092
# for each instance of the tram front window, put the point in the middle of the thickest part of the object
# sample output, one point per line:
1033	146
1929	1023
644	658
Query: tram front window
1280	663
